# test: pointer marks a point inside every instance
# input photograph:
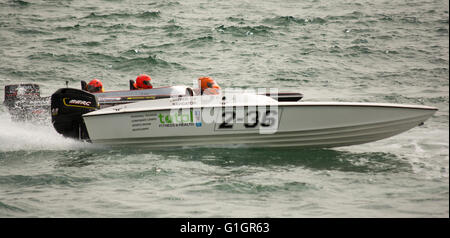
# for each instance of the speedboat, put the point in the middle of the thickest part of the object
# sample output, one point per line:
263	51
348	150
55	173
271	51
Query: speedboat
233	118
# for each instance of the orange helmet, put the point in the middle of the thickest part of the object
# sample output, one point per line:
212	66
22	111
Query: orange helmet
95	86
209	86
143	82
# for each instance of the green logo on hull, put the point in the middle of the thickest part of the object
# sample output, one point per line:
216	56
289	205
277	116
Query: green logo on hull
176	118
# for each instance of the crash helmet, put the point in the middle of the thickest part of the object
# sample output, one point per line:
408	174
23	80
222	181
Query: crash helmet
143	82
95	86
208	85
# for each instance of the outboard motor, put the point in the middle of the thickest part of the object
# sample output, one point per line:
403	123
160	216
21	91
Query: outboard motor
67	107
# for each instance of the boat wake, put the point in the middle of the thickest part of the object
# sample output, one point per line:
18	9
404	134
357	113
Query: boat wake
16	136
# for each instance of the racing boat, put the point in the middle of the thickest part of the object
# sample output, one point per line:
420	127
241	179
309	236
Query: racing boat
244	119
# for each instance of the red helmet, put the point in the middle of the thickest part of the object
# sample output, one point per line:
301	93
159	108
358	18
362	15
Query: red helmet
143	82
95	86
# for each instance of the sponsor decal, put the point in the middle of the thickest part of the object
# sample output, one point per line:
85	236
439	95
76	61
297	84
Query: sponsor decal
80	102
266	120
176	119
77	103
182	101
142	121
198	117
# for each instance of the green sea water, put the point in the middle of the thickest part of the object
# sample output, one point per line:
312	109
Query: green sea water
364	51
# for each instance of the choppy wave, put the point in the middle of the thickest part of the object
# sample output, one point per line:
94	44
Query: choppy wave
32	32
260	30
198	42
58	40
165	4
130	61
255	188
143	15
172	28
38	180
19	3
288	20
14	209
151	60
56	57
116	27
350	16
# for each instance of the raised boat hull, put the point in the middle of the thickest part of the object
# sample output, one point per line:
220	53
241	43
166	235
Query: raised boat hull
298	124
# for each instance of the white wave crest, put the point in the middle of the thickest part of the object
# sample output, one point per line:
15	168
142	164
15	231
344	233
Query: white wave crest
16	136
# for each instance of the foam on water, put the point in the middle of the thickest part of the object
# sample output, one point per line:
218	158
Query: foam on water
15	136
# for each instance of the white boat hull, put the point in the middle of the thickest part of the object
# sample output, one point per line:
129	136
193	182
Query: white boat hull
298	124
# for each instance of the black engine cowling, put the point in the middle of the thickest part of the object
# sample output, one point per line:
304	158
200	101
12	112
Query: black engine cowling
67	107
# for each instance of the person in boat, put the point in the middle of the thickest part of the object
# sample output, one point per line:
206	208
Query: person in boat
95	86
142	82
208	86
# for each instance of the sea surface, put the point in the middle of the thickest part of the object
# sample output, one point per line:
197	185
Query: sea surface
391	51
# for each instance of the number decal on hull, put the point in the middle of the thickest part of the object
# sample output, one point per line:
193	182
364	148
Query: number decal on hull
228	117
252	119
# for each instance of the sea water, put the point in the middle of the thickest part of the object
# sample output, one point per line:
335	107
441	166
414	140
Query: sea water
361	51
